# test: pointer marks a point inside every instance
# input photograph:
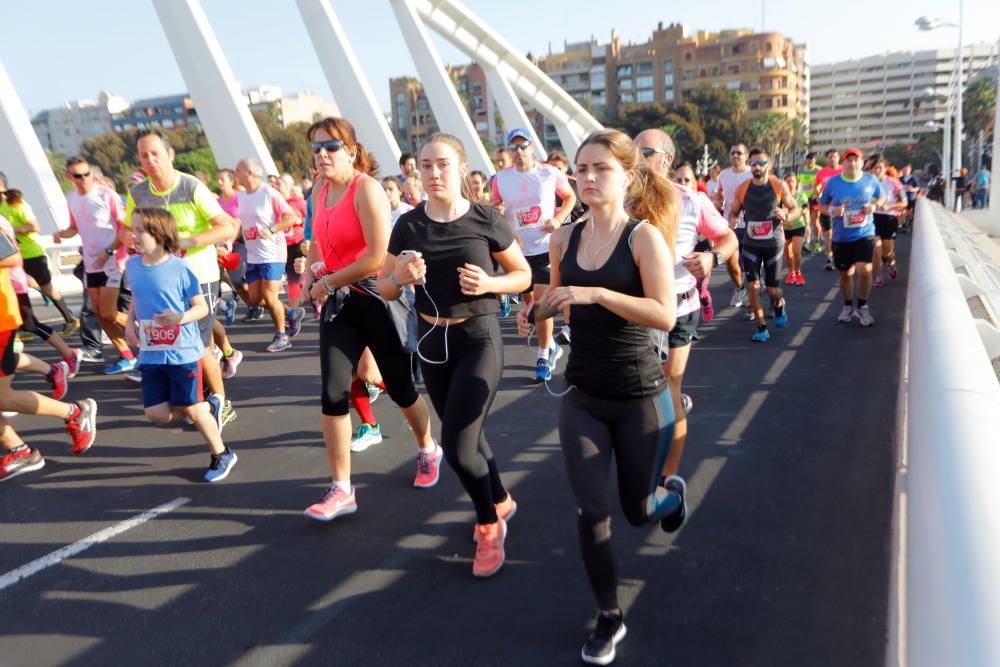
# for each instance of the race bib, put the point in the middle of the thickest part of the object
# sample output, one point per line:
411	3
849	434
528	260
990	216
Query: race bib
250	233
760	231
854	218
526	217
153	337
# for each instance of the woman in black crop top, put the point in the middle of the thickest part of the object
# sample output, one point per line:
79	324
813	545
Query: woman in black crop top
616	275
446	249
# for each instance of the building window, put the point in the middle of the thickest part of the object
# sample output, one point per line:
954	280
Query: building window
625	84
644	68
644	96
668	95
687	57
688	74
626	98
733	69
768	47
644	82
733	85
668	65
668	79
737	48
625	70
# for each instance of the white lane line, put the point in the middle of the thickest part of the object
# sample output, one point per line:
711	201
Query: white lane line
39	564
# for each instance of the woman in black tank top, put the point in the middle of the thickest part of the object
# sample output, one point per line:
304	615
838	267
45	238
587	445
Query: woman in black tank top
616	276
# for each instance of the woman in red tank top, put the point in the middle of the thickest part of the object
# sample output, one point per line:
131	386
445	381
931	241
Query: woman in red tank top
350	236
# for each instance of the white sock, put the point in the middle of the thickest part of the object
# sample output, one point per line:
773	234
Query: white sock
543	353
343	484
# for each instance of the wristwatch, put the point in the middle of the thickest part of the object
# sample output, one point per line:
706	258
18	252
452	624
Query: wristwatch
719	259
110	251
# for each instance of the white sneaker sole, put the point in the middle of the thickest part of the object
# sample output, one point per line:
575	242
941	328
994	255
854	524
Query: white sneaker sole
24	469
610	657
362	445
349	509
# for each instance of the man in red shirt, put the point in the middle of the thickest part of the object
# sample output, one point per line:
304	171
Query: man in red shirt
831	169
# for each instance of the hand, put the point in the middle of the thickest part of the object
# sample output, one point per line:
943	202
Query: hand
101	260
221	251
781	215
524	327
551	225
299	265
572	296
264	233
318	292
130	335
168	318
473	280
698	264
869	208
838	211
56	238
410	268
304	247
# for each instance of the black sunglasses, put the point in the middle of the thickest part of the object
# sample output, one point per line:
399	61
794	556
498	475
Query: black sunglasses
331	146
758	163
523	146
80	177
650	152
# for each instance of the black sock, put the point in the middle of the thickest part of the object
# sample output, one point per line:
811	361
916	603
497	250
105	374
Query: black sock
778	310
886	260
862	303
60	304
849	302
761	327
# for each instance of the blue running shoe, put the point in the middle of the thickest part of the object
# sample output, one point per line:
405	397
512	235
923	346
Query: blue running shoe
781	316
555	352
293	323
543	371
215	407
761	336
123	366
220	466
504	305
227	307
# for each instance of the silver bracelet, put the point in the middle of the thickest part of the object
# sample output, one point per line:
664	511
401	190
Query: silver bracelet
326	286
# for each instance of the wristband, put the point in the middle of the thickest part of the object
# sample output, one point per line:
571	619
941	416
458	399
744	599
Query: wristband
392	277
326	286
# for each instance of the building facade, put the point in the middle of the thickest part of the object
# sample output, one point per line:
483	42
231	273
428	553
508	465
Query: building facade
169	112
888	99
413	119
65	128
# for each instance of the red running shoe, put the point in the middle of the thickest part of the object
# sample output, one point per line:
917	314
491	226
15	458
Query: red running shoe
799	280
58	377
82	426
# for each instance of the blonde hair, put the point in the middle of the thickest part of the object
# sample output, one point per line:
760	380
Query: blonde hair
456	145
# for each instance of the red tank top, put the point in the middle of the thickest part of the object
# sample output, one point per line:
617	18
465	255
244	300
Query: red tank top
337	230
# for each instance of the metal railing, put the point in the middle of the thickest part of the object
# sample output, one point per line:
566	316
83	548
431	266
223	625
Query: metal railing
945	600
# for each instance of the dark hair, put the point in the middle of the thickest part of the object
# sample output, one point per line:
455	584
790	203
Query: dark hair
831	150
757	150
229	173
75	160
504	151
557	156
478	173
13	197
342	130
153	132
811	155
160	224
406	156
459	148
872	161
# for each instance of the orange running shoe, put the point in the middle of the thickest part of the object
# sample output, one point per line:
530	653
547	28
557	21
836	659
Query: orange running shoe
489	548
506	509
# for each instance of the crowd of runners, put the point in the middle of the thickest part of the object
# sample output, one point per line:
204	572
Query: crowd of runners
408	278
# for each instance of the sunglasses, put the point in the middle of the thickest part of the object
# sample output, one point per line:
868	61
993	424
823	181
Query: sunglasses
331	146
80	177
650	152
523	146
758	163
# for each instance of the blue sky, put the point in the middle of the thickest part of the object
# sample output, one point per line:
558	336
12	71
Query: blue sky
55	50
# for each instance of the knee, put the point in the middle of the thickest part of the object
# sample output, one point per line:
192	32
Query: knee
594	527
158	415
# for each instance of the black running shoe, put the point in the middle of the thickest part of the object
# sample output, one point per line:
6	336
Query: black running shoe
672	523
600	646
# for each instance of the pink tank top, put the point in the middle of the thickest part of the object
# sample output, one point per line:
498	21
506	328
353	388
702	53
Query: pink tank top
337	230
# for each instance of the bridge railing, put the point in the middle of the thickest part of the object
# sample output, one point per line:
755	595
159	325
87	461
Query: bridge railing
945	600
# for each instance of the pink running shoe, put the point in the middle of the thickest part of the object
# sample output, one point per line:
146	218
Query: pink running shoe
892	271
707	310
489	548
428	468
335	503
506	509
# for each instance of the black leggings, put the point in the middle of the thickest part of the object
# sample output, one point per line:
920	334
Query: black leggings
638	432
362	322
30	322
462	391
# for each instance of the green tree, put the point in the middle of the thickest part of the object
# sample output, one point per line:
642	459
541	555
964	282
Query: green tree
774	133
107	151
978	106
288	146
197	160
722	116
921	153
635	118
58	163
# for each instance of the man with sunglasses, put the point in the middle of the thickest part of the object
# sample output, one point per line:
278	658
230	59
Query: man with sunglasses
732	178
96	214
528	192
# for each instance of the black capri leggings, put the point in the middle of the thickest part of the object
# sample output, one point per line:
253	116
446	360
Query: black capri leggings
362	322
638	432
462	391
30	322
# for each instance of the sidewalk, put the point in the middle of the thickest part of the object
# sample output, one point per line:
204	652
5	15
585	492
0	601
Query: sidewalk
978	221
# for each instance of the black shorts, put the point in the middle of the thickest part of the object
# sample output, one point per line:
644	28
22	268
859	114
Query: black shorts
541	273
703	245
38	268
910	205
886	226
294	252
792	233
205	324
8	359
685	329
757	260
825	222
847	254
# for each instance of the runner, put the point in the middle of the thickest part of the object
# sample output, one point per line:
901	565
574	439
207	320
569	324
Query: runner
713	187
478	181
235	278
96	213
912	186
528	193
732	178
350	227
394	192
849	199
293	244
455	244
698	217
613	271
807	184
201	223
407	168
831	169
19	214
760	200
887	223
505	159
796	230
166	304
413	194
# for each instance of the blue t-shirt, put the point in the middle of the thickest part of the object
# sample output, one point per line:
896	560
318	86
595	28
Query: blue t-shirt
170	284
910	182
855	224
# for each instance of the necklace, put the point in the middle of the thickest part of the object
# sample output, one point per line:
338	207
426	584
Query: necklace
592	259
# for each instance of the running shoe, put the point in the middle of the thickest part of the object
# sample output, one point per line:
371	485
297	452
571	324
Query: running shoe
228	412
686	404
316	311
367	435
215	407
865	315
781	316
227	307
506	509
293	322
542	371
73	363
790	280
847	313
489	548
57	377
279	343
555	352
739	297
82	426
122	366
892	271
806	247
19	462
504	305
133	376
70	328
799	280
221	464
428	467
707	309
563	337
217	353
92	356
374	391
676	485
230	364
600	646
878	282
253	314
818	246
335	503
829	264
761	336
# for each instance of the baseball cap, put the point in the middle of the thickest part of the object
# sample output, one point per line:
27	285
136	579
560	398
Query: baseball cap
518	132
852	151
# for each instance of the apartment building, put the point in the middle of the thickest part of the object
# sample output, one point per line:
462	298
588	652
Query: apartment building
413	119
65	128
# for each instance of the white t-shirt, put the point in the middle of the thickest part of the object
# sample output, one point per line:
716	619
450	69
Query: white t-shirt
731	182
698	217
96	216
260	209
529	199
399	210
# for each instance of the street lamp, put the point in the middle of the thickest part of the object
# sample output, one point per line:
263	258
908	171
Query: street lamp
926	24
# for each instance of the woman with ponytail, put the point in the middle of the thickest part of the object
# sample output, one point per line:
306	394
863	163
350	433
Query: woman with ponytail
615	272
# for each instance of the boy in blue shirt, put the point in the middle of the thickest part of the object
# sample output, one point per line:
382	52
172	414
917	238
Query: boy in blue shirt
162	322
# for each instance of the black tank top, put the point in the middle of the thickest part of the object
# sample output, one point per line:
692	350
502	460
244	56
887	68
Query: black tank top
759	205
610	356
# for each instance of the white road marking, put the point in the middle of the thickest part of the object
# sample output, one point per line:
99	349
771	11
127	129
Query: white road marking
54	558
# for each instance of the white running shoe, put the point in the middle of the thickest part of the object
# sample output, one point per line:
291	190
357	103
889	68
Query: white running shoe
865	315
847	313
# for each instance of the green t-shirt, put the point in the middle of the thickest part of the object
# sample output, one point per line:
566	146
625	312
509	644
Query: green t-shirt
802	199
18	216
807	180
193	206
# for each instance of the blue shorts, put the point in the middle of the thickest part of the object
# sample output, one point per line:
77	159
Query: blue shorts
267	271
178	385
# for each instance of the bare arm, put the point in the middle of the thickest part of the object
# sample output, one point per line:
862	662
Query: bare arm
792	208
223	228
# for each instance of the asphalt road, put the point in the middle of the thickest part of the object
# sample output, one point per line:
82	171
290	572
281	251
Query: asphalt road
784	559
